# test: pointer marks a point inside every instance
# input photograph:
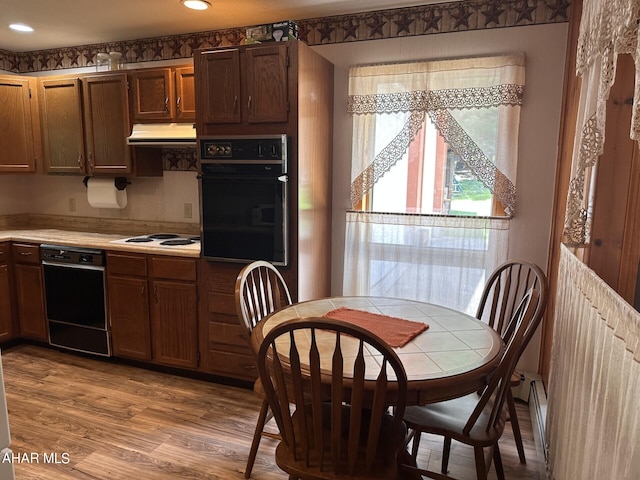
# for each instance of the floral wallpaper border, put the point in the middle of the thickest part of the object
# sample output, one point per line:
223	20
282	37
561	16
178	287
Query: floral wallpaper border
382	24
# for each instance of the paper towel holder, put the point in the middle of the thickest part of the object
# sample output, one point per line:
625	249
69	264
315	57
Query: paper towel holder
119	182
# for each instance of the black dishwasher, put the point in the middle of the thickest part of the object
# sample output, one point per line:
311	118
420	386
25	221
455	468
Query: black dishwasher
74	285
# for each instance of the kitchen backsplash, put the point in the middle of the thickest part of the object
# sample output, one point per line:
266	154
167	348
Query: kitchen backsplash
170	198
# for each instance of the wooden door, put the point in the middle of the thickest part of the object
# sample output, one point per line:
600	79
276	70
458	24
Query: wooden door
218	95
17	152
153	95
62	130
6	317
30	301
129	313
107	123
175	323
266	84
185	95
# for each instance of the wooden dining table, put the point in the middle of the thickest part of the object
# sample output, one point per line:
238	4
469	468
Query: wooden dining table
453	357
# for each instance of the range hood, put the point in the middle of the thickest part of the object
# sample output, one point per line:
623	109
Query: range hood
163	135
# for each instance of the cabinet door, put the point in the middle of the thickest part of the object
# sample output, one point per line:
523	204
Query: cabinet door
175	324
266	84
153	95
62	130
219	86
107	123
6	318
17	152
129	313
185	94
30	301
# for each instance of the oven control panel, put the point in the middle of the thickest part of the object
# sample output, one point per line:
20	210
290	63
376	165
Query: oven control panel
71	255
264	149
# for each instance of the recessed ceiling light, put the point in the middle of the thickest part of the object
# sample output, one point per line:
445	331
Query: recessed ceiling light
196	4
20	27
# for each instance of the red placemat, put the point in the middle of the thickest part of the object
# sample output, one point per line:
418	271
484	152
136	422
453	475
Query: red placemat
397	332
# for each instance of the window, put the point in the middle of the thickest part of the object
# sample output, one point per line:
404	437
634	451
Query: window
433	176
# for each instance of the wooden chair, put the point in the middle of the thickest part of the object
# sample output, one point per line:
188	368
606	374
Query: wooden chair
328	383
502	293
476	420
260	290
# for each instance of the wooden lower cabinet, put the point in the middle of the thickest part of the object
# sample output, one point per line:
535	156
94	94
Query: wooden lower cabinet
153	308
174	323
223	341
6	311
29	288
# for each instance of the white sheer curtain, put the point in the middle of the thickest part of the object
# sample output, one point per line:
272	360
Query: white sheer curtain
593	421
435	259
425	256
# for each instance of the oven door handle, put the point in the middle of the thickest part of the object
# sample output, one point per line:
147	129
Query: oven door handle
73	265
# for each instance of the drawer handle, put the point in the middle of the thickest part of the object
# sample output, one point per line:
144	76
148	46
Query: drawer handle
235	103
178	105
249	103
166	105
90	158
80	160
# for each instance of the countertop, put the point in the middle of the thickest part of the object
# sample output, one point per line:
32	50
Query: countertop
97	240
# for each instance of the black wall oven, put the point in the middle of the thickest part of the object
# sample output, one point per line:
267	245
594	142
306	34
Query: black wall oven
74	284
243	189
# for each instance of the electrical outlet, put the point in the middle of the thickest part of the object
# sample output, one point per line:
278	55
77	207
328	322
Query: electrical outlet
188	213
72	204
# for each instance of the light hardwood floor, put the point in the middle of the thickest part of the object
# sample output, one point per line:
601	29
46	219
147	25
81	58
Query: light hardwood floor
109	421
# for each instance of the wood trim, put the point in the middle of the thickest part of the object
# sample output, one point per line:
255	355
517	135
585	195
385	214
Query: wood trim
570	100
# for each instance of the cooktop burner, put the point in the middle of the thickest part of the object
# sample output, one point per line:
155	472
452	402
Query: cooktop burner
139	240
162	236
177	241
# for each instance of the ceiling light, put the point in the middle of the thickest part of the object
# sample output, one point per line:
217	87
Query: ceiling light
20	27
196	4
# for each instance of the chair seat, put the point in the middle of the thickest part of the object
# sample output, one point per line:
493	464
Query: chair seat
383	468
450	417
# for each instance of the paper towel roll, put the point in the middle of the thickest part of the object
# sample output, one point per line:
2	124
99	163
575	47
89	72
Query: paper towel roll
102	193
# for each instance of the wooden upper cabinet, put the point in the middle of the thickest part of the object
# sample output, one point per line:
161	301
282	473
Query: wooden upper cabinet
19	140
62	129
185	94
243	85
163	94
266	84
106	119
219	83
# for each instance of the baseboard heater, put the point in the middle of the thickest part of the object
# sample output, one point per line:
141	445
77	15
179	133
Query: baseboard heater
531	390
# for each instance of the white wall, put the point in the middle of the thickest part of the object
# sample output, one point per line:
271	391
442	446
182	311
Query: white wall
544	47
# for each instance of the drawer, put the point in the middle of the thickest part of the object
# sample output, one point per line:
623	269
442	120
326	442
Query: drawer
173	268
233	365
127	264
4	252
23	253
228	334
222	303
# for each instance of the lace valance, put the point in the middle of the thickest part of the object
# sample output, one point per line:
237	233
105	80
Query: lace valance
608	28
436	89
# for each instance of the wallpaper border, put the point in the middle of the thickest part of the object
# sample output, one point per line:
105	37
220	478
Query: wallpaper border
381	24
